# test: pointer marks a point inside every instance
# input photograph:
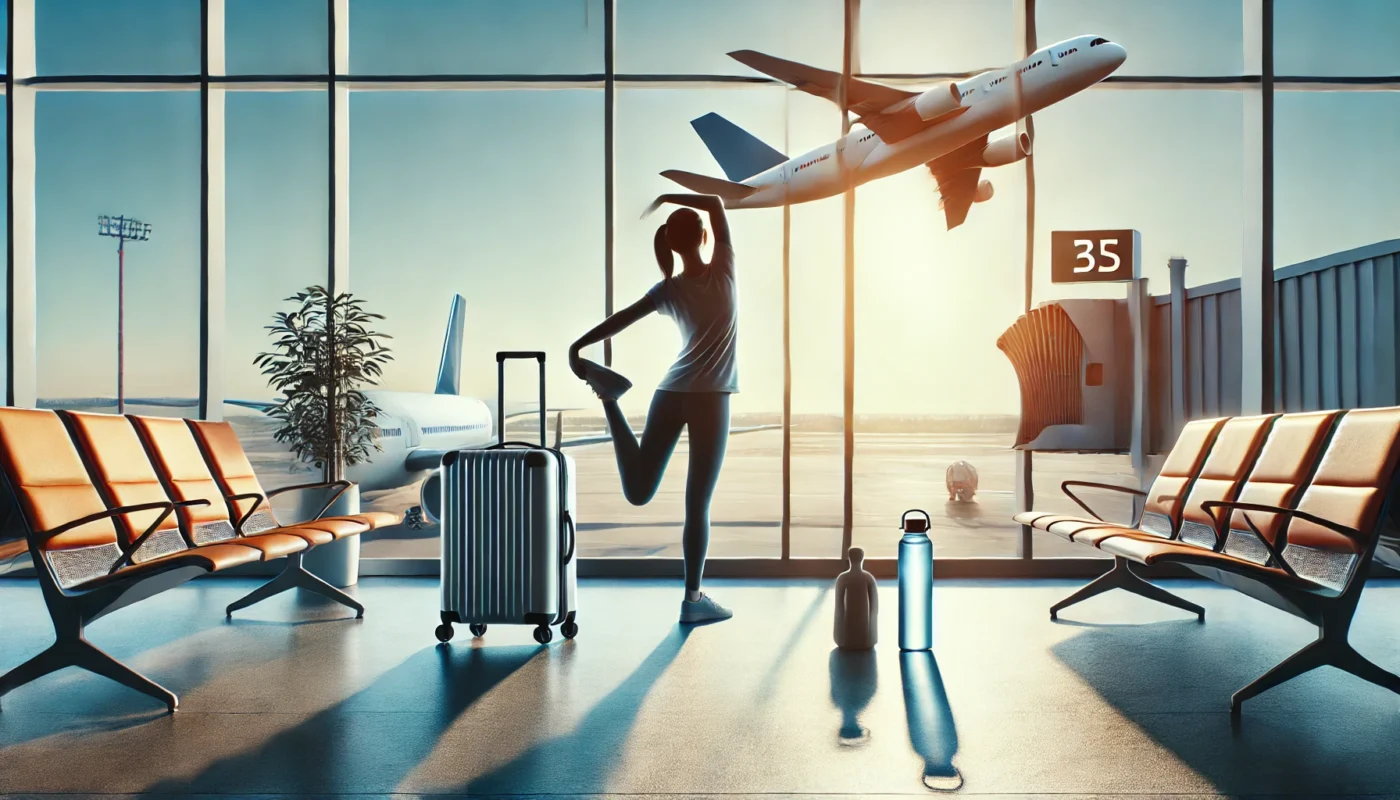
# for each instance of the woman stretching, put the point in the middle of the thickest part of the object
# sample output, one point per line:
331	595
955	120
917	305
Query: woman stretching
704	302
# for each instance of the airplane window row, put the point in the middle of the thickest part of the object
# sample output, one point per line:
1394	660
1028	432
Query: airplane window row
813	161
390	433
1029	66
432	429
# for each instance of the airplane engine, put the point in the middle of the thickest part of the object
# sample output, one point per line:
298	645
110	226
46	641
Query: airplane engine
984	192
430	497
1006	150
939	101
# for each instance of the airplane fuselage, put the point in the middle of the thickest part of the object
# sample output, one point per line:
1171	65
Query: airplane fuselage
1046	77
410	421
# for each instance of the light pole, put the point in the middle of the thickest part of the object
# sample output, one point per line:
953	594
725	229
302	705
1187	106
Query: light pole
123	229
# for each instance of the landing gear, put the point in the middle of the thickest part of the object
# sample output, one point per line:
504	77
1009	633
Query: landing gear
415	519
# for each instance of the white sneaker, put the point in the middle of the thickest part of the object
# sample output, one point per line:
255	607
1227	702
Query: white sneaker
703	610
605	383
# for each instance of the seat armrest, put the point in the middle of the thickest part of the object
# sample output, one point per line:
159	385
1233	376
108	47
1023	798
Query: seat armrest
1280	540
1064	487
341	485
257	499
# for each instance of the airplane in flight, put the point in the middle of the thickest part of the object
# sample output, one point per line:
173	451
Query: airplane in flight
946	129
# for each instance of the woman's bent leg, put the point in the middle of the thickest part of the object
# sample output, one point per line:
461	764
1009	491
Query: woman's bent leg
642	464
707	417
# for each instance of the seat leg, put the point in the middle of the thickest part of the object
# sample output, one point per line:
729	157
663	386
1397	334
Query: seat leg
1355	663
91	658
79	652
1306	660
312	583
285	580
295	576
55	658
1122	577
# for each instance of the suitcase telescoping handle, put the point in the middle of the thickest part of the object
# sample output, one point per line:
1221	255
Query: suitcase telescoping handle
501	358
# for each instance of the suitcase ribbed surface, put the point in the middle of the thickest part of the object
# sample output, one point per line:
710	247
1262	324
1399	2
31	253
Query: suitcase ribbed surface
489	567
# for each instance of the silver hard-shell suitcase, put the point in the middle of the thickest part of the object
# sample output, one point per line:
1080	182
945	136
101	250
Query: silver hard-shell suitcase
508	535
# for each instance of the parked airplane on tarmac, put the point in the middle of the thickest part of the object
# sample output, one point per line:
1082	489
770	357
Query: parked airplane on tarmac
417	428
945	128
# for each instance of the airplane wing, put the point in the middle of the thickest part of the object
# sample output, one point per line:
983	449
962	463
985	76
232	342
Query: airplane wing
865	97
957	184
257	405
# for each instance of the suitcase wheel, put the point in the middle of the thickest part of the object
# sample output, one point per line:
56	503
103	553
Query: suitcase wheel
543	634
444	632
478	629
569	629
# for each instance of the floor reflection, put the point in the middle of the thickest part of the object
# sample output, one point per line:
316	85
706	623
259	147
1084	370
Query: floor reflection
931	729
853	682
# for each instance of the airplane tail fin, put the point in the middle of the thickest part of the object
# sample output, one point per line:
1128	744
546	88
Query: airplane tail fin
704	184
449	380
740	154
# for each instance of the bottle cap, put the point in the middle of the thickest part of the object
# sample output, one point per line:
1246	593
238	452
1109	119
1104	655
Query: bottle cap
915	525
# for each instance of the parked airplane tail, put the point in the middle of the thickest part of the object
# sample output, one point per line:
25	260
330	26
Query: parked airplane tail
449	380
740	154
704	184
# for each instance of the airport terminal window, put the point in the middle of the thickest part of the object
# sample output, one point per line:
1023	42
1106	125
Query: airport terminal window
684	37
430	37
4	245
1154	33
275	37
276	200
516	228
1322	208
156	180
1336	38
927	36
654	133
133	37
931	388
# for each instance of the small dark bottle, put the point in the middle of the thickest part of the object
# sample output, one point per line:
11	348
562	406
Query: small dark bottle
857	606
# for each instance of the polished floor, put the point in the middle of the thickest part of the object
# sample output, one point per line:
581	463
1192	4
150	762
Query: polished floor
1121	697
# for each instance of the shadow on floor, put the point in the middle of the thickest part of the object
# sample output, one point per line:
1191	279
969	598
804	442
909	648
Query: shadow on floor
853	681
584	759
1325	733
327	752
932	733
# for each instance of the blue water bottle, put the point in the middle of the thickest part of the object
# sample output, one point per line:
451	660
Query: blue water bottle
915	582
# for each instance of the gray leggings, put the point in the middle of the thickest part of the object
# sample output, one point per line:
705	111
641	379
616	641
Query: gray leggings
641	464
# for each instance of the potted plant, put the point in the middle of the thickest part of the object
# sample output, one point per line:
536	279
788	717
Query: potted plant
324	354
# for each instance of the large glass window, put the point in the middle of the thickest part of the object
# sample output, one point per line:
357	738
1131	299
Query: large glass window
277	179
1321	205
654	134
1336	38
431	37
275	37
931	387
924	36
1181	37
131	37
133	154
496	196
689	38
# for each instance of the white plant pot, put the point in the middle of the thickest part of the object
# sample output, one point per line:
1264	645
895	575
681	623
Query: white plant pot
338	562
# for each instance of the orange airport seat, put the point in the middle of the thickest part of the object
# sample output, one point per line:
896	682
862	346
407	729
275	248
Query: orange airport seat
85	568
179	461
1163	502
125	474
230	466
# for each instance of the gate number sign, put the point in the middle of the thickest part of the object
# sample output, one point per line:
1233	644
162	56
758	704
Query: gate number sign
1095	256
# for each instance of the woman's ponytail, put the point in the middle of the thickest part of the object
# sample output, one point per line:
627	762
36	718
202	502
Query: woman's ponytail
664	257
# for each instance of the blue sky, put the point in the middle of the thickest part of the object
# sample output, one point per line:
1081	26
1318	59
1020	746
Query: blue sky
498	194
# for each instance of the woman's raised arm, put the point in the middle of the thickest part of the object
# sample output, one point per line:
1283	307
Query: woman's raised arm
709	203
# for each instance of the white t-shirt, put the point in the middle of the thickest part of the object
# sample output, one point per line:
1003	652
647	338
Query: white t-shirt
706	309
